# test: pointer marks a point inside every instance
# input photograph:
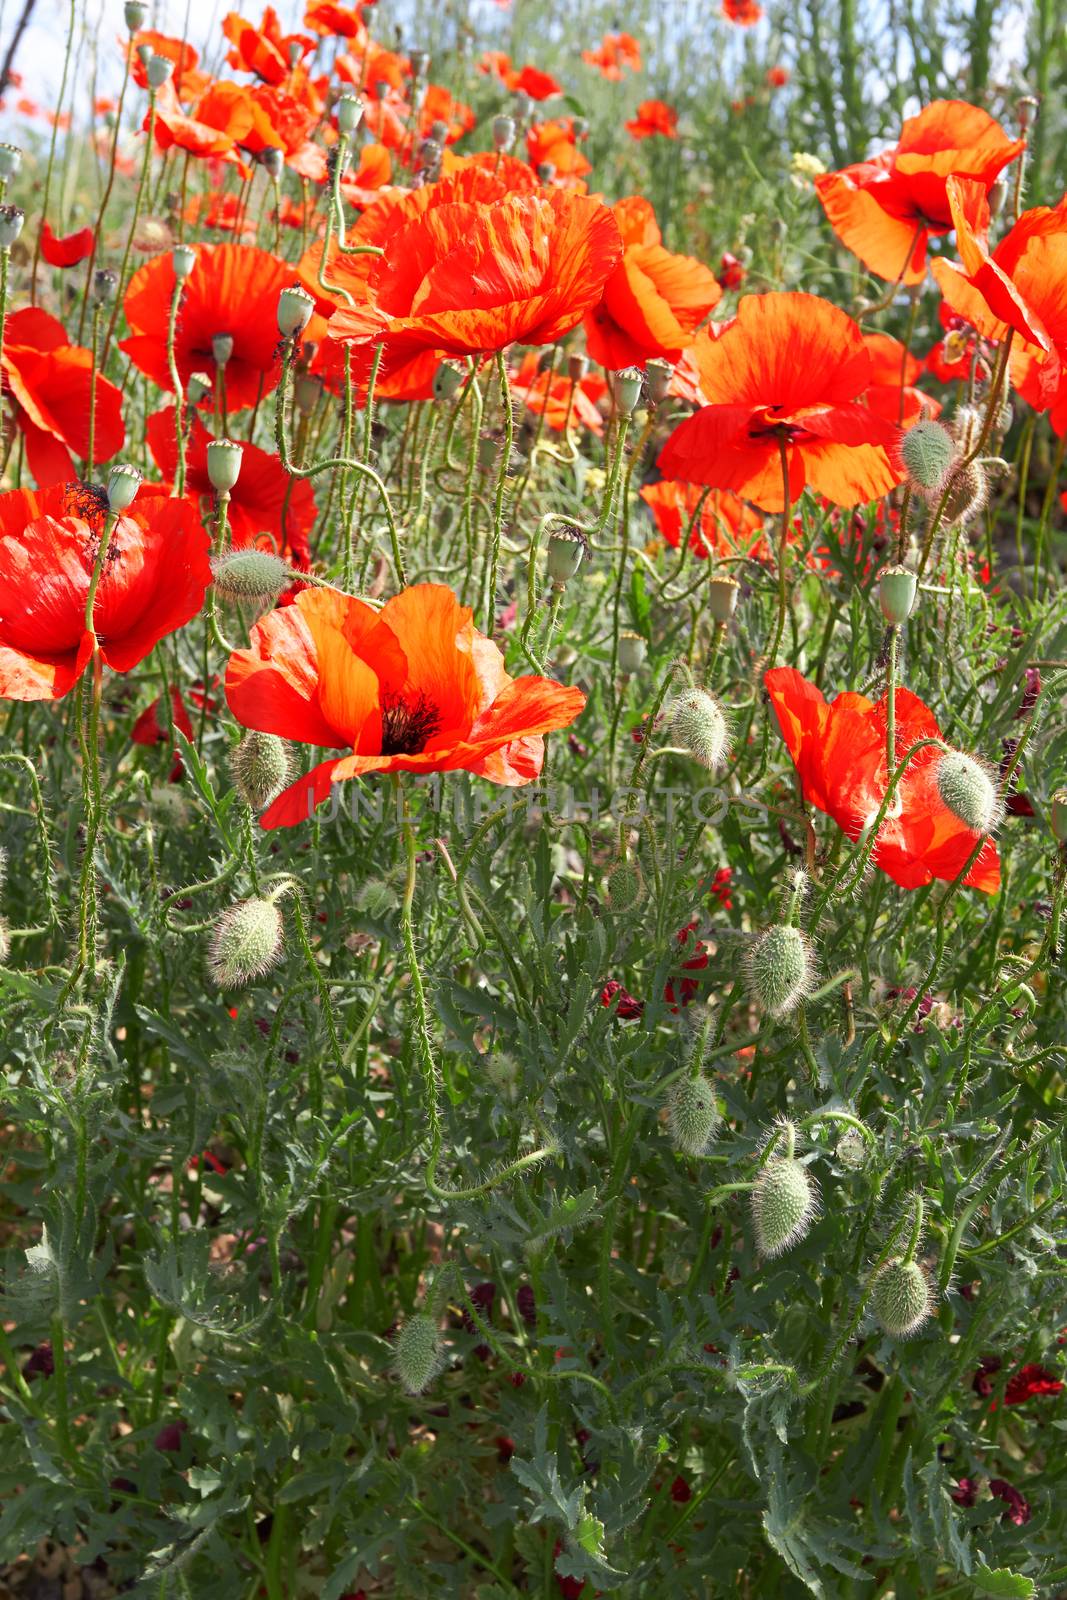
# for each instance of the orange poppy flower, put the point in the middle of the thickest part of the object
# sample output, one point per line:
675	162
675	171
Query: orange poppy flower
561	402
746	13
218	122
264	50
413	688
894	372
556	143
265	503
343	22
777	77
653	117
467	279
726	526
525	80
884	210
439	105
223	212
187	81
615	52
361	188
66	251
839	751
653	301
49	381
790	368
233	289
373	65
153	582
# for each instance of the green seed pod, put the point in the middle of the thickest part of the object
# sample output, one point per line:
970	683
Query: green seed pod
250	575
349	112
626	886
722	596
565	552
503	132
968	790
658	375
418	1357
966	494
779	968
123	483
158	71
633	648
224	457
183	257
1057	816
295	310
692	1115
784	1203
261	767
198	387
897	588
246	943
902	1298
135	13
700	727
10	160
626	387
221	348
927	454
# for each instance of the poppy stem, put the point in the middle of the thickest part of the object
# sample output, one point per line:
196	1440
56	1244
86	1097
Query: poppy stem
175	381
787	512
891	700
94	342
138	202
915	1237
493	560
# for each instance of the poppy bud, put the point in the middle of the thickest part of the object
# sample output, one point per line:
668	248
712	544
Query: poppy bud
145	54
779	967
221	348
349	112
158	71
224	463
295	310
11	220
626	886
1057	816
503	132
260	766
439	131
969	791
700	727
420	62
692	1115
577	366
580	127
504	1073
626	387
105	286
307	392
851	1149
198	387
902	1297
523	105
123	483
565	552
183	259
272	160
784	1203
927	453
135	12
10	160
419	1356
722	595
966	493
633	648
658	375
246	943
250	574
1026	110
897	588
546	171
375	899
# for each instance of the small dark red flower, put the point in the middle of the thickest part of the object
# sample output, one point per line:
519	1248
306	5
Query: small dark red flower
628	1008
680	1491
1018	1506
1030	1381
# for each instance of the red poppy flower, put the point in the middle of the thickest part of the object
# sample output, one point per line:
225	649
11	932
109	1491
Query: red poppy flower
264	50
777	77
628	1008
615	52
69	250
187	80
653	117
219	120
153	582
744	12
725	526
731	273
532	81
50	384
556	143
789	367
372	65
839	751
414	688
653	301
561	402
283	122
344	22
1029	1382
150	728
265	503
222	212
233	289
361	187
1018	1506
439	105
891	392
687	988
467	279
885	209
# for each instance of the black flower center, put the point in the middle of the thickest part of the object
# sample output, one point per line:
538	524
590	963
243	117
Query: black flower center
408	725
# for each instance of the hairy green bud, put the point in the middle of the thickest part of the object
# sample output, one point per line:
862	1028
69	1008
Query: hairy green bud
261	767
700	727
784	1203
902	1298
692	1115
779	969
418	1357
246	943
927	454
969	791
250	575
626	886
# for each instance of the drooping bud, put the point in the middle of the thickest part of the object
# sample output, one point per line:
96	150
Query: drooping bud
123	482
250	574
135	13
902	1297
897	588
418	1357
784	1203
503	132
198	387
779	969
700	727
625	885
969	791
158	71
722	596
221	348
447	380
565	552
633	648
10	160
224	458
692	1115
349	112
11	220
966	493
626	387
295	310
261	767
504	1073
1057	816
183	258
246	943
927	454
